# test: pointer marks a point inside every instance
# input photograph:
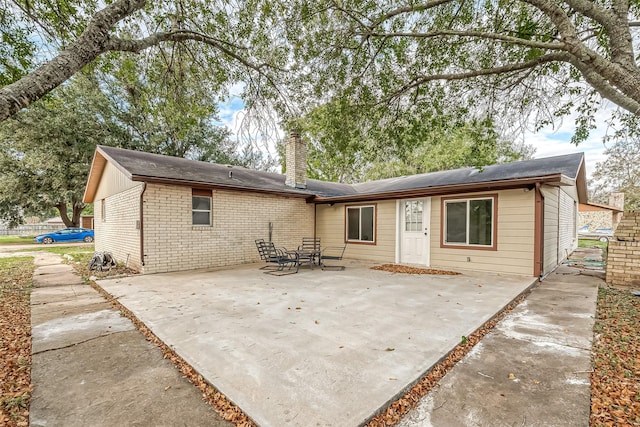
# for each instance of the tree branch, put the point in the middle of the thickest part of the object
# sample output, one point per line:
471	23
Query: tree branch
604	87
551	57
472	34
89	45
408	9
591	10
116	44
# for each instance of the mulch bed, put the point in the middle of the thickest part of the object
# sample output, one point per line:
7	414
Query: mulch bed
398	268
15	340
615	380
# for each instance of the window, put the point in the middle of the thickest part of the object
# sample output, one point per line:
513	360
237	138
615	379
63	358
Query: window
413	215
103	210
361	223
469	222
201	207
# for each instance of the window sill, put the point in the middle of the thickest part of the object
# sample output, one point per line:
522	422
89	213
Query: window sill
468	247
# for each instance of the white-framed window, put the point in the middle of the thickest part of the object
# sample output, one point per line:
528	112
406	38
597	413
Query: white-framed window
361	223
201	207
469	222
103	210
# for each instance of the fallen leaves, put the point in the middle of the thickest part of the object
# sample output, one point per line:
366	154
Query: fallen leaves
615	379
15	340
223	406
398	268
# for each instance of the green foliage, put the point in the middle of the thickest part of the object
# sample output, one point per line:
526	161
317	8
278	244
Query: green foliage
352	143
45	152
16	50
620	171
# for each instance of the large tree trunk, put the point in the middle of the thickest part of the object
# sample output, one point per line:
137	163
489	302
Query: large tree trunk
91	43
76	212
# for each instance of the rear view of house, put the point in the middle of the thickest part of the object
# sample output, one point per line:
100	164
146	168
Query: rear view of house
160	213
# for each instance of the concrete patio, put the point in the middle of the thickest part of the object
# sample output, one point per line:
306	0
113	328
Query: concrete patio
318	347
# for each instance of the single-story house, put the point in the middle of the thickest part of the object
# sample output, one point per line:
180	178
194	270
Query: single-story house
161	214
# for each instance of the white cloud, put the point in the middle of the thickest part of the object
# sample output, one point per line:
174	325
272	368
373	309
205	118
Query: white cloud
556	140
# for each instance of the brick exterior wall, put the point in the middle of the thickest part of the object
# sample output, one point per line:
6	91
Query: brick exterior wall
623	258
118	232
172	243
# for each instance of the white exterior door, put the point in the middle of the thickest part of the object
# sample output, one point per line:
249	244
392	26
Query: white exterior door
414	231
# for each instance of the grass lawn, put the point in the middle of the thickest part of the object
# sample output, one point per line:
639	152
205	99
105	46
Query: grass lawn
16	240
590	243
61	250
615	380
15	340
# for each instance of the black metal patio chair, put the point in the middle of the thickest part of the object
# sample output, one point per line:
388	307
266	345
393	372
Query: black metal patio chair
309	251
332	253
277	258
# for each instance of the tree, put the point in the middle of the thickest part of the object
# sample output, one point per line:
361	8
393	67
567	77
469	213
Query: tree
499	57
620	171
45	153
240	50
46	150
350	143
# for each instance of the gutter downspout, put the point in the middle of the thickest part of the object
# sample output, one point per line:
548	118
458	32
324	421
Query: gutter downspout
144	188
538	234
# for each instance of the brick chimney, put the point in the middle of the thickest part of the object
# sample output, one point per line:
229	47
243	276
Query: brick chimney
296	161
616	200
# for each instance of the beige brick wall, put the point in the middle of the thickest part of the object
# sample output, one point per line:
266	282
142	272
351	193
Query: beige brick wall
118	231
623	257
172	243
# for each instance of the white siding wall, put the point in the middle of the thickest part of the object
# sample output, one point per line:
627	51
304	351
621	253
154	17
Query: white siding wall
560	225
113	182
551	203
567	229
515	240
330	227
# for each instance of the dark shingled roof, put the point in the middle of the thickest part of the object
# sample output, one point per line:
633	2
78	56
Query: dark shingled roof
141	166
567	165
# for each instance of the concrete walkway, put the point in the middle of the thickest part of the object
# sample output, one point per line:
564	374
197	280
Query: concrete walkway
321	348
90	367
532	370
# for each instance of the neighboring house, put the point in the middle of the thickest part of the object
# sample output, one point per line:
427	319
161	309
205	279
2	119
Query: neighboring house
598	216
161	214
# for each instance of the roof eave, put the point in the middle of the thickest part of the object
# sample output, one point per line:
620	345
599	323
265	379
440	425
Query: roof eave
217	186
444	190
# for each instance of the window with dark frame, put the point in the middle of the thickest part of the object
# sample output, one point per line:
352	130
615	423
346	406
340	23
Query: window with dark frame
469	222
201	207
361	223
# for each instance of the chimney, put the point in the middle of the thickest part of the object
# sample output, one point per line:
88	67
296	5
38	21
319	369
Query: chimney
616	200
296	161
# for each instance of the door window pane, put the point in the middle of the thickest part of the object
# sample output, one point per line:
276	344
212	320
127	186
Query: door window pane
413	215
